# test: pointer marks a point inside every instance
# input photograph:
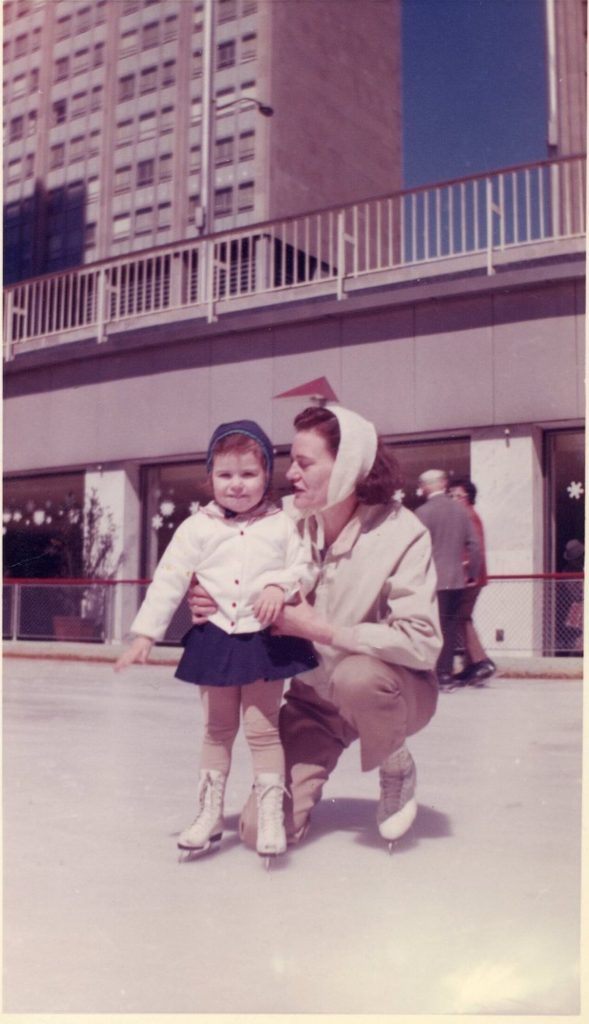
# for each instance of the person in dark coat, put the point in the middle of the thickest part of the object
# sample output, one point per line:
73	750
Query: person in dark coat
457	558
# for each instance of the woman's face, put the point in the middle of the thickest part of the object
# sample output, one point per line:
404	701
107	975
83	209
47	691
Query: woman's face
310	470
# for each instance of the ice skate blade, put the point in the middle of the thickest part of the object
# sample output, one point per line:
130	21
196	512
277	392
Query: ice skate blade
269	858
189	852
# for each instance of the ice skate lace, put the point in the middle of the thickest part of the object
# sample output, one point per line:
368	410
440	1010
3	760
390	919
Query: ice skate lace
270	809
396	788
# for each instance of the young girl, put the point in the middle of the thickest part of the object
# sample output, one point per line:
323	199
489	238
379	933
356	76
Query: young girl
247	553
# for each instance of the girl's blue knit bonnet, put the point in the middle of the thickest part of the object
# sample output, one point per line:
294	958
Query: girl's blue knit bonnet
250	429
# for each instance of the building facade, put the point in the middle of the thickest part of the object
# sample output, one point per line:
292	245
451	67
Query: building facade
134	123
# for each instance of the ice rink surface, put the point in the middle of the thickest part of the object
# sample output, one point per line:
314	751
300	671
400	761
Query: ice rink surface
476	911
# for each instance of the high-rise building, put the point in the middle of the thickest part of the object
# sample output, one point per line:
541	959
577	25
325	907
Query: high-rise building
134	123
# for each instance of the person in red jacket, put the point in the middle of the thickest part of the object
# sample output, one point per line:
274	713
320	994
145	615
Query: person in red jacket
478	667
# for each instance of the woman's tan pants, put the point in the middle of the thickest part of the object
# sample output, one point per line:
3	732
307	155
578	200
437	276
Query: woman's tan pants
377	703
260	703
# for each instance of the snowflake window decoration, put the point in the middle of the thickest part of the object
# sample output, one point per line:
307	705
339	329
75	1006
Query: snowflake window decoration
575	490
157	522
167	508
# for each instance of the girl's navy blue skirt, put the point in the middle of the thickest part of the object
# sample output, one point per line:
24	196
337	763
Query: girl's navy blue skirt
214	658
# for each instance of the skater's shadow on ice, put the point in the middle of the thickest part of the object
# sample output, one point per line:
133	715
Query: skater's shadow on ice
358	816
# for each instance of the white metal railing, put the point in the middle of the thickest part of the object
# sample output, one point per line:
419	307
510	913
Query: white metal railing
488	214
514	615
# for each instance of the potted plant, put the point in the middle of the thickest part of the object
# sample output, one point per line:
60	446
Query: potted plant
87	545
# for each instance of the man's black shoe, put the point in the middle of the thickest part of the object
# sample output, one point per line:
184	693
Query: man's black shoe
481	671
446	682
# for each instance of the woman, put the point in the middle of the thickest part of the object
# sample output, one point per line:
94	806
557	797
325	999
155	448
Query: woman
372	618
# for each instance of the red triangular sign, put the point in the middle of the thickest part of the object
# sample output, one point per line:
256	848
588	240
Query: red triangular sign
318	388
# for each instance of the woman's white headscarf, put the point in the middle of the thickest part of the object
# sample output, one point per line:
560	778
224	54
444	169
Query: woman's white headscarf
354	460
355	455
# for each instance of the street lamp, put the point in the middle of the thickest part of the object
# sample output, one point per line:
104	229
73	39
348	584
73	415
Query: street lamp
208	151
208	124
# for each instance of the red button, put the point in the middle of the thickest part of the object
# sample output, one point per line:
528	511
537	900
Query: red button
231	623
242	533
236	582
233	604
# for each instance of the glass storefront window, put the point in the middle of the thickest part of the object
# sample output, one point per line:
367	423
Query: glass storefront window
565	464
415	457
42	536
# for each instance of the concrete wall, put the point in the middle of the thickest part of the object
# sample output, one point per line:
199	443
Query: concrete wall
484	361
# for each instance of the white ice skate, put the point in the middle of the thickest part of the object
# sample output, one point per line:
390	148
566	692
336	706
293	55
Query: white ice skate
207	827
397	806
271	840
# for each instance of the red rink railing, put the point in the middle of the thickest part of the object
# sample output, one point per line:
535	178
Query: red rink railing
533	614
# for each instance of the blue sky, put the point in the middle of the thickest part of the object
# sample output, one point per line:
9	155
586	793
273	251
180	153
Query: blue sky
474	86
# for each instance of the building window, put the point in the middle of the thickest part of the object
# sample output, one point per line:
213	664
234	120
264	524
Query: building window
147	125
197	64
29	165
19	86
78	107
148	80
164	215
96	98
195	158
165	167
226	55
167	119
150	35
98	55
224	151
245	196
171	27
83	19
227	10
168	73
57	156
59	112
129	42
33	80
249	47
122	180
90	236
124	131
145	172
81	61
36	40
32	122
121	226
62	68
64	27
247	144
77	148
20	46
144	220
223	202
16	129
130	6
101	12
94	147
93	187
126	88
14	168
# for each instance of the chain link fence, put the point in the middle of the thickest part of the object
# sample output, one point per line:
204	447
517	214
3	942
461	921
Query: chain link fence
527	615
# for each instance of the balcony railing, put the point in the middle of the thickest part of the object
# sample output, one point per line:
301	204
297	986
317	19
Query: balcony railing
515	615
490	219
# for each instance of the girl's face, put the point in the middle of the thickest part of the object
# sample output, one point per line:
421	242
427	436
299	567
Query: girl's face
310	470
239	480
